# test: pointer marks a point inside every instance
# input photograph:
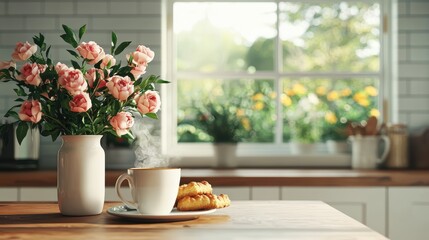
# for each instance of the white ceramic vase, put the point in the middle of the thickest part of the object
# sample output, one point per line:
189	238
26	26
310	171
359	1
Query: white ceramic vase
225	154
81	175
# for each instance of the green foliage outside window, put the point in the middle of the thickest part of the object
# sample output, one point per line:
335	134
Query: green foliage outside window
333	37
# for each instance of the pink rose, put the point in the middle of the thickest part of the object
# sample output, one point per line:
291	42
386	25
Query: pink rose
142	56
73	81
148	102
120	87
7	64
122	122
80	103
30	73
138	71
91	51
91	76
31	111
60	68
23	51
106	60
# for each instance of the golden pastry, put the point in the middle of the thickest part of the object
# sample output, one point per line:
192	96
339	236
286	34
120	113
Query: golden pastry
203	202
194	188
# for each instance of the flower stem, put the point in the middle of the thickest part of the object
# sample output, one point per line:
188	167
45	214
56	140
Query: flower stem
59	123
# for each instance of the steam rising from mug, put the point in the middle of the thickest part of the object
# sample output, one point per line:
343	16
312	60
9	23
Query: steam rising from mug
148	147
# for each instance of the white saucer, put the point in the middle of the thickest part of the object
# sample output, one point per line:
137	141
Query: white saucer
174	215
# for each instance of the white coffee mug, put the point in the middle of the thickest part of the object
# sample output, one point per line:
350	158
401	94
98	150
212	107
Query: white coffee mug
365	151
154	190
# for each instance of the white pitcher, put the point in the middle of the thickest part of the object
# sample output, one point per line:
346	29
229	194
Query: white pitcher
365	151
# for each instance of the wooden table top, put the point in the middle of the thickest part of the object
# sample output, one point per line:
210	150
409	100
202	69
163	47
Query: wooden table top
249	177
242	220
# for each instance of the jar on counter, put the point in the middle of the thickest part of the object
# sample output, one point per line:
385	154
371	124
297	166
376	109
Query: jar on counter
398	155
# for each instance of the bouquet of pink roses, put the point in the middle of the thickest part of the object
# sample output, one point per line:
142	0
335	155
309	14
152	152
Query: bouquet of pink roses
93	96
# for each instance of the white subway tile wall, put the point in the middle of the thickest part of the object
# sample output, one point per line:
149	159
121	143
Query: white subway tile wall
138	21
414	63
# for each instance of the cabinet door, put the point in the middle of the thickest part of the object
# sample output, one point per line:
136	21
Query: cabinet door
365	204
234	193
112	196
408	213
38	194
8	194
265	193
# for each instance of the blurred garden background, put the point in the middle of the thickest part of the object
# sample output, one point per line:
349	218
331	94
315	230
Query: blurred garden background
305	68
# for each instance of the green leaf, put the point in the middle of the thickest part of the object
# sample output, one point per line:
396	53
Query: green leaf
41	38
11	113
20	91
161	81
67	39
130	60
73	53
114	69
152	115
47	51
124	70
117	107
70	35
65	104
122	47
114	41
98	64
138	82
75	64
82	31
49	126
36	40
55	135
4	72
21	131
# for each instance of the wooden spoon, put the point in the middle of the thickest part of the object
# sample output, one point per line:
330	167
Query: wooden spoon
350	130
371	126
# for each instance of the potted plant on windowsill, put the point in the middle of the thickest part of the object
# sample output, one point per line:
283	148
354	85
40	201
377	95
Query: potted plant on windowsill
220	121
304	122
335	134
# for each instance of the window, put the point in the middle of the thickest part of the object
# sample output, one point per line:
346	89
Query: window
290	71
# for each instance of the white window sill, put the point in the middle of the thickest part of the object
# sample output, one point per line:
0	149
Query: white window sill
257	155
323	161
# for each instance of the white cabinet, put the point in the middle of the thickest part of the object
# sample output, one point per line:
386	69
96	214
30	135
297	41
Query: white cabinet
111	195
38	194
8	194
365	204
408	210
234	193
265	193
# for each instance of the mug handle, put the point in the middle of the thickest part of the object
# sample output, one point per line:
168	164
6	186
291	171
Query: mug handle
123	177
386	147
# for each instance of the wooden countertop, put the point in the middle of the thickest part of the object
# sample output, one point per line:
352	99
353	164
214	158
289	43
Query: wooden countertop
242	220
250	177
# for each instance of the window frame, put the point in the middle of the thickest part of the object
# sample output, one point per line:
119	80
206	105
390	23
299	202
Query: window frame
275	154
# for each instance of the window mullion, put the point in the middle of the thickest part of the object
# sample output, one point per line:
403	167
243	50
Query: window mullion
278	84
